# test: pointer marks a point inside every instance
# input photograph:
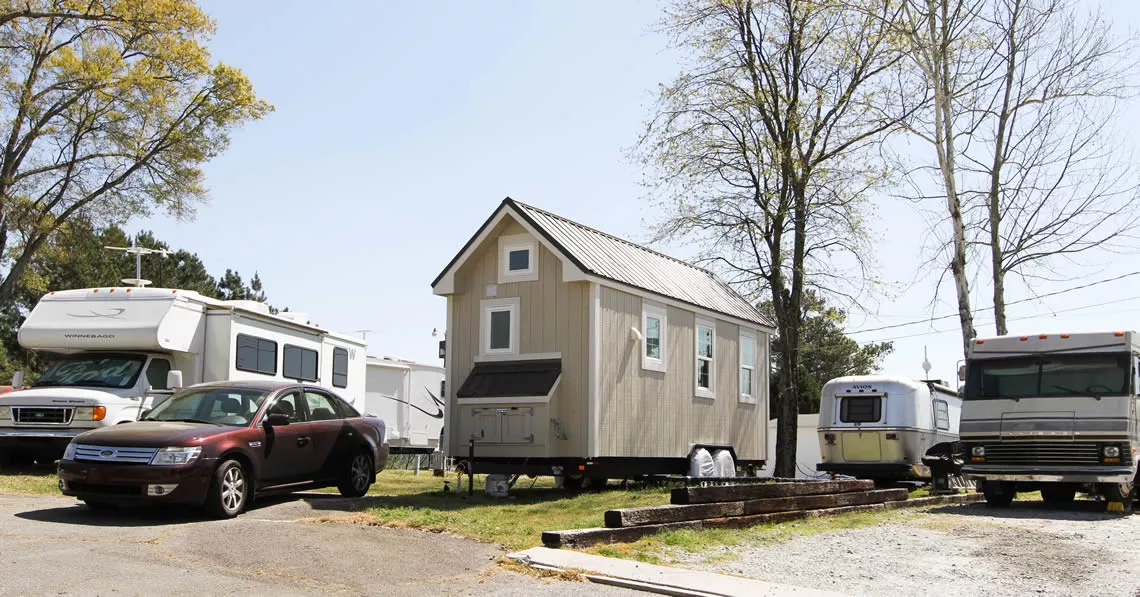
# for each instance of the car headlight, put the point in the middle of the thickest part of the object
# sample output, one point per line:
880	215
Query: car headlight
1112	451
176	456
978	451
89	413
69	452
5	413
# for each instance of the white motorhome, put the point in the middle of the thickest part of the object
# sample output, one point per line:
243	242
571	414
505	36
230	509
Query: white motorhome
879	427
408	396
123	350
1052	412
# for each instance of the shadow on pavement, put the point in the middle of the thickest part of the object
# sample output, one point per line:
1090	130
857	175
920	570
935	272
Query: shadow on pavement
125	516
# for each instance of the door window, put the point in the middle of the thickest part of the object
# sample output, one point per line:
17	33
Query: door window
156	374
321	407
288	405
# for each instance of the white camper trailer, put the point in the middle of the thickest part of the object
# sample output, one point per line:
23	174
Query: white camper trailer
879	427
408	396
125	349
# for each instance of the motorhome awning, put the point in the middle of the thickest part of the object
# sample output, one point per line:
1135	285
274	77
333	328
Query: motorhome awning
508	379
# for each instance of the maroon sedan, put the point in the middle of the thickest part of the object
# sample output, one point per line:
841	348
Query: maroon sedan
222	444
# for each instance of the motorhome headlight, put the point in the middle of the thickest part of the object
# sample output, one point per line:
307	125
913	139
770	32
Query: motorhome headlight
5	413
1112	451
89	413
176	456
978	451
69	452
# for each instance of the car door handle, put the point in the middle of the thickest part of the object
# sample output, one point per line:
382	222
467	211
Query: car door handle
301	441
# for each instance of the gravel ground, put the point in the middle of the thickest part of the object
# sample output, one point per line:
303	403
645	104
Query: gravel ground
955	551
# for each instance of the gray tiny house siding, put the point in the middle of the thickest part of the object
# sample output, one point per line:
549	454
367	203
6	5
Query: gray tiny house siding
553	318
647	413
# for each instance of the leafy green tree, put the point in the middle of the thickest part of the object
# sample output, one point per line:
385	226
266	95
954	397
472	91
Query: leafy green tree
825	352
110	109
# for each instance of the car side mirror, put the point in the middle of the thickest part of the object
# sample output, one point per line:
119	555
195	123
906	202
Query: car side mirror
276	420
174	380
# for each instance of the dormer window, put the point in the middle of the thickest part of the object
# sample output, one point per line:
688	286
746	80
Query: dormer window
517	258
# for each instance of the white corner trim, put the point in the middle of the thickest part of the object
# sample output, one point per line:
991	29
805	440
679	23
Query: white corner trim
449	379
510	304
532	356
710	392
661	314
517	242
593	411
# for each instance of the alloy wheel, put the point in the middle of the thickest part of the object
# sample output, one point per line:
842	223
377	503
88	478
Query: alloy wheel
360	469
233	488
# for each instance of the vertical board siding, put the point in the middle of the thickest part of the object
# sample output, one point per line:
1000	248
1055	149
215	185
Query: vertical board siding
553	317
652	414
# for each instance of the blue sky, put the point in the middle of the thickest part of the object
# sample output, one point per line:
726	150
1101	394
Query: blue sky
400	126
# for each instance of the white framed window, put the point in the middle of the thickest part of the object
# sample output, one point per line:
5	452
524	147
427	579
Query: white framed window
499	326
941	415
654	326
706	358
749	381
518	258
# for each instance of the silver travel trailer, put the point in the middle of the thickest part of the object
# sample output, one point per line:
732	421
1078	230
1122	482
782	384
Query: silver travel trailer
408	396
879	427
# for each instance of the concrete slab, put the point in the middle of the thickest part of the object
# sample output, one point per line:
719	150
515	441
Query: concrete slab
662	580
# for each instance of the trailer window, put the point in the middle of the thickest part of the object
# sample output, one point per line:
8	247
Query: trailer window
861	409
300	363
340	368
156	374
941	415
256	355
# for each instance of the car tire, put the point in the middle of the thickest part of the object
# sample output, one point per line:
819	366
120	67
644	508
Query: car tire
998	494
229	491
1058	494
357	476
100	505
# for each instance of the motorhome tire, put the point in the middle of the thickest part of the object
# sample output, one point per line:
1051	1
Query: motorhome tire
1058	494
357	476
99	505
1119	492
229	491
998	494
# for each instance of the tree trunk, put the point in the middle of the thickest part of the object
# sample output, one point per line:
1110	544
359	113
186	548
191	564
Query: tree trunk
787	407
993	198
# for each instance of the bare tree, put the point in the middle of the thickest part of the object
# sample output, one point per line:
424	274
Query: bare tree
1055	179
763	147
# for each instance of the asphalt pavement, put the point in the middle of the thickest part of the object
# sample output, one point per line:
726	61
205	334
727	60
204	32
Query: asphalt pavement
57	546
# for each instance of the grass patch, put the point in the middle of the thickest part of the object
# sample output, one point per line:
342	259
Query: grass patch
36	480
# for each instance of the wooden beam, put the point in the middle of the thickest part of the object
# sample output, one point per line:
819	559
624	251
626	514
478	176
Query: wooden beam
818	502
737	493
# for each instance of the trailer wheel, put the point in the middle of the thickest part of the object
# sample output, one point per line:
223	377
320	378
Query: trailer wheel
573	483
998	494
1058	494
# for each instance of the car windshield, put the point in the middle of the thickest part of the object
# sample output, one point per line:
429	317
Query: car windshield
1049	376
90	370
219	406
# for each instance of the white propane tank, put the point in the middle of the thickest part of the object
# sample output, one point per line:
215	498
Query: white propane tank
701	464
725	465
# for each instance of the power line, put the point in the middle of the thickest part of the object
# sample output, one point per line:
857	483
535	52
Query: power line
1017	302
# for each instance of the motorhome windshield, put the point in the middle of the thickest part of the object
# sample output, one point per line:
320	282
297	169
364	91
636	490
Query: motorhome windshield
100	371
1051	375
224	406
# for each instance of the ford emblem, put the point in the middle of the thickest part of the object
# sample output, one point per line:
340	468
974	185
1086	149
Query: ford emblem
107	453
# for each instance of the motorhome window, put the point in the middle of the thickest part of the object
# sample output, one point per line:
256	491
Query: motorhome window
256	355
299	363
94	370
1053	375
860	409
941	415
340	368
222	406
156	374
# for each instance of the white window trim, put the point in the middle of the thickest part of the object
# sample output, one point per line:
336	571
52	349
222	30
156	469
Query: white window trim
700	392
516	242
486	307
751	335
658	312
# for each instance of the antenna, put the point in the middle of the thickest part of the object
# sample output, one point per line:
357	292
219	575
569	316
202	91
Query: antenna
363	334
925	363
138	252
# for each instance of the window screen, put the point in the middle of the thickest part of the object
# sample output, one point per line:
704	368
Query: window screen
941	415
340	368
299	363
861	409
256	355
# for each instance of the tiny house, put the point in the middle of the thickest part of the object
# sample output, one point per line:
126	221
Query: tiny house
408	396
575	353
879	427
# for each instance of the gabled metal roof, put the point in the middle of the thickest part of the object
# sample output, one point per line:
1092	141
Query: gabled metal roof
612	258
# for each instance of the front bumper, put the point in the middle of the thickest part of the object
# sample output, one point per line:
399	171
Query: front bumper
876	470
1082	474
129	482
31	438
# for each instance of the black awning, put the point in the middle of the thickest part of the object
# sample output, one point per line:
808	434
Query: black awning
503	379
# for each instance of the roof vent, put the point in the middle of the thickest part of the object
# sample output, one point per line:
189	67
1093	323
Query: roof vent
248	305
295	316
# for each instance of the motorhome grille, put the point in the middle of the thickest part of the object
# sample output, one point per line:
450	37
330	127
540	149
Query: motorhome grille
114	454
1040	453
48	415
80	487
